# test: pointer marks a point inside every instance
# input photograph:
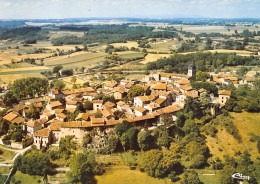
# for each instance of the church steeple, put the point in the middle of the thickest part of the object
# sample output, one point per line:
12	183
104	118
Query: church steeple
192	71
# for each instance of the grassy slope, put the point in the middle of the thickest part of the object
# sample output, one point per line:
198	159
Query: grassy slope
7	155
246	124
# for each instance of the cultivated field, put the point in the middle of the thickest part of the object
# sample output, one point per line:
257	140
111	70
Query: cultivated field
154	57
76	60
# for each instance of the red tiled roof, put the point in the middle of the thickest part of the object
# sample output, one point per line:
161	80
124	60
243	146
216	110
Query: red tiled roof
43	132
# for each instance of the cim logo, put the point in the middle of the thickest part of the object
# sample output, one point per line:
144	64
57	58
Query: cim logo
240	176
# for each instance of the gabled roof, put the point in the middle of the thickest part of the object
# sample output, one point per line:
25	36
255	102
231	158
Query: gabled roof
55	104
58	111
128	85
120	103
90	94
183	81
166	110
169	75
61	115
33	123
75	124
98	101
191	94
140	109
10	116
113	122
71	102
110	84
109	105
83	116
38	104
18	120
107	113
55	126
71	110
97	120
160	101
140	118
144	98
160	87
43	132
224	92
186	87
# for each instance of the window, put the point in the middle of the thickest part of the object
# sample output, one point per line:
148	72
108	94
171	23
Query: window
36	141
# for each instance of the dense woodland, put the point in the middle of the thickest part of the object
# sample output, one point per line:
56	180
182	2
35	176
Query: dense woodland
204	62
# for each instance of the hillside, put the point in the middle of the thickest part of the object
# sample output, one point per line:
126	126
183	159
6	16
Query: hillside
226	144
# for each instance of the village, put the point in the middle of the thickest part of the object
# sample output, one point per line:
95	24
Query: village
164	93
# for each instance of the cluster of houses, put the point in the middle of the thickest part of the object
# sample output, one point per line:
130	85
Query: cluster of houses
165	93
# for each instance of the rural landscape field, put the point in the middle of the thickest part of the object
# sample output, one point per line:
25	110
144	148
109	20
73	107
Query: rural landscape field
147	92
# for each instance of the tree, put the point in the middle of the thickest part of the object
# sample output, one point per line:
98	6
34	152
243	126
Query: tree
58	84
88	105
33	112
56	69
226	173
135	91
10	99
202	76
66	146
82	166
35	164
145	140
123	127
68	72
29	87
190	178
112	144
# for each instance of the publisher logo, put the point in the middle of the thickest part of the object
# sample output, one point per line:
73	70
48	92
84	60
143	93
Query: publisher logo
240	176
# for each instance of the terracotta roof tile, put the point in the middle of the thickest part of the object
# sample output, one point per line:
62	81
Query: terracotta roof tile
55	104
224	92
43	132
10	116
140	109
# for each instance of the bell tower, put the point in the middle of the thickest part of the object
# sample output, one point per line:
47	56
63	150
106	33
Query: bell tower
192	71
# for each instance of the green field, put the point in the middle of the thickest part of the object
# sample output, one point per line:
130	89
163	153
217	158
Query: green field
123	174
27	179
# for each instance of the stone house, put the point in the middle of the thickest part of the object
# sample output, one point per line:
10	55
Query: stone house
97	104
54	105
141	101
140	111
42	138
55	93
223	95
33	126
89	96
71	104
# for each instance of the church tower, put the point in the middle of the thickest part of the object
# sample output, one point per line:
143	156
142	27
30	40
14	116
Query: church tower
192	71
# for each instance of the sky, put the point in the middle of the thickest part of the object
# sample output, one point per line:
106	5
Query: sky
59	9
